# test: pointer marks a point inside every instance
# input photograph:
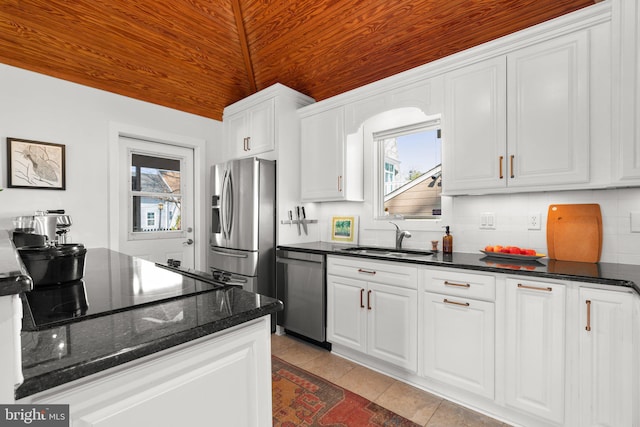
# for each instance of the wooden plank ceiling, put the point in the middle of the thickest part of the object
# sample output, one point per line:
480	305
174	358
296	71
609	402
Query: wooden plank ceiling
200	55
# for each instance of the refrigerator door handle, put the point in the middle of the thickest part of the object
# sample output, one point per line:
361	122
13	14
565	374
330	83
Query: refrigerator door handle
223	206
226	210
229	254
229	205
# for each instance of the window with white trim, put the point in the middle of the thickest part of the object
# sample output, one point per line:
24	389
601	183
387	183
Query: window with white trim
410	171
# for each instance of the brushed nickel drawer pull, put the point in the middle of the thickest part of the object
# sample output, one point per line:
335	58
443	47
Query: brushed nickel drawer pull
464	304
588	328
535	288
361	270
361	294
462	285
369	299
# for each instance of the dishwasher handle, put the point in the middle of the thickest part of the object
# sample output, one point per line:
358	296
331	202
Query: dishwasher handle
293	261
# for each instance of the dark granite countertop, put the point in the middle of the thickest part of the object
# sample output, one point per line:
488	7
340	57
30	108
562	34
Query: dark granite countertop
13	276
126	308
624	275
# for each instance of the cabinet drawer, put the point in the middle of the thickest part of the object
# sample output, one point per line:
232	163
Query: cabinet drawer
459	284
398	274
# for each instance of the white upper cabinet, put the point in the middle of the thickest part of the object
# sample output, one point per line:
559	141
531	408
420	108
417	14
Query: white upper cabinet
475	126
258	124
251	131
519	120
548	111
626	92
331	161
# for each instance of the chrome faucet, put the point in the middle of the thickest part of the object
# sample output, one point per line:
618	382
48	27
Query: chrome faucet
400	234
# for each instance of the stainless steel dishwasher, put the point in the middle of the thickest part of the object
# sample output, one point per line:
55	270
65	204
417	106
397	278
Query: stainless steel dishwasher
300	285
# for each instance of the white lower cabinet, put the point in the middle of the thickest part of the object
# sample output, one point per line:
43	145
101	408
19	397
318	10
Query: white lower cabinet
372	308
535	347
223	381
517	349
606	358
459	342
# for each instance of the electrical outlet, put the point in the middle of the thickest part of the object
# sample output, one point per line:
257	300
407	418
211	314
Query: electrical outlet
533	221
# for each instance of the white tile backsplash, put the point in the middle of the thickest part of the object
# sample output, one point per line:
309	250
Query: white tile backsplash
619	244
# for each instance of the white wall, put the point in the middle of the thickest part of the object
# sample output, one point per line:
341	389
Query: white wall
37	107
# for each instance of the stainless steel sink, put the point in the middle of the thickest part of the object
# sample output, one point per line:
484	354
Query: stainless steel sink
387	252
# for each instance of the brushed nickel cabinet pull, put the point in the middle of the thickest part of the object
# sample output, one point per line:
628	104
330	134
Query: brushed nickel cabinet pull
340	183
248	142
501	159
362	270
361	294
588	328
535	288
464	304
462	285
512	175
369	299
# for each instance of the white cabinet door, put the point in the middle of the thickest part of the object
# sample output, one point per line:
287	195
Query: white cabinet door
475	126
323	156
459	342
626	91
606	358
346	312
535	347
519	121
251	132
548	110
392	325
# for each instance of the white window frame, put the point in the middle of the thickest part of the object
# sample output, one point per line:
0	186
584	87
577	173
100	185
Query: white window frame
380	171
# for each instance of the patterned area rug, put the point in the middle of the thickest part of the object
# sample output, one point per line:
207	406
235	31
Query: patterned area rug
303	399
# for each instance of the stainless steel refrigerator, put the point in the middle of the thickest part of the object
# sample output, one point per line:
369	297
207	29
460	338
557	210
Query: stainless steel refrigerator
243	224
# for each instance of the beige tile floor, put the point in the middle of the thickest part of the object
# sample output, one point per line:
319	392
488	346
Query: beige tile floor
412	403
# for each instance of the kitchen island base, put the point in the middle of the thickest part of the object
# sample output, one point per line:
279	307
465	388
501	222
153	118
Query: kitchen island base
220	379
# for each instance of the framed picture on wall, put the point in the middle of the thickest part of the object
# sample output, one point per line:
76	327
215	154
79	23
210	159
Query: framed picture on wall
35	164
344	229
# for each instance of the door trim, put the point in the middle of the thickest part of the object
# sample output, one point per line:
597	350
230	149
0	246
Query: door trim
117	130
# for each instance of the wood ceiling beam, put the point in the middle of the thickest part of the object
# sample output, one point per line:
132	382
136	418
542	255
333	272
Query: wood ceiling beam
244	45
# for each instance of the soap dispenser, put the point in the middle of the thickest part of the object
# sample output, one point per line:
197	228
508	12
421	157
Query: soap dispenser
447	242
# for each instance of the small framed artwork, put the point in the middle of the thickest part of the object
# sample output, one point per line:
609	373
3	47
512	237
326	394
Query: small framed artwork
344	229
34	164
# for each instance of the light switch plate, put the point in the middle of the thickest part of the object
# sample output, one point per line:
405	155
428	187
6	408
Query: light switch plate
488	220
635	222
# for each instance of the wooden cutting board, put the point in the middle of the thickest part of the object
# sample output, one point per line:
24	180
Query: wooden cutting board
574	232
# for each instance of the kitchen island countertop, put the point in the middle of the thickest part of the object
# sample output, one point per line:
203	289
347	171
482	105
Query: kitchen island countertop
129	325
622	275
